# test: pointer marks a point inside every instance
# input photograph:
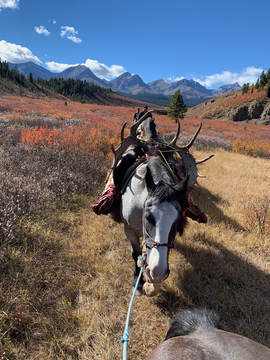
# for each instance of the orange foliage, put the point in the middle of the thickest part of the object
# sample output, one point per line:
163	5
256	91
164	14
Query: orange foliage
102	124
255	148
239	99
79	137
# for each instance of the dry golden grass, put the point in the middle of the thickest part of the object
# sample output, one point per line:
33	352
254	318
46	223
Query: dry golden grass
218	265
65	273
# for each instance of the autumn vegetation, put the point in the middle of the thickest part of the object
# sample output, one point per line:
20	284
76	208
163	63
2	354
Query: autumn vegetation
66	272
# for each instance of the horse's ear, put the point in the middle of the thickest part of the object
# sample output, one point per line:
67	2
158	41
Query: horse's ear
149	180
182	188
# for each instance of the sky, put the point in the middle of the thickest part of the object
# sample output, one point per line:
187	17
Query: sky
213	42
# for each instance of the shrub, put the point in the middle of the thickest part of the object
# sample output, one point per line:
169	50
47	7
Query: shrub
255	148
33	181
257	213
83	136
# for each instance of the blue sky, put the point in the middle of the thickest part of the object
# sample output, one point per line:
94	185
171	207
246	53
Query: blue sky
213	42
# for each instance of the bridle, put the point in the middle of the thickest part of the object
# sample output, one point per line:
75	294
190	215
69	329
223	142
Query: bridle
153	242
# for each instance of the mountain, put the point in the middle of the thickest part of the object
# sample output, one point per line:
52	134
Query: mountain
226	88
190	89
159	86
128	83
36	70
193	92
83	73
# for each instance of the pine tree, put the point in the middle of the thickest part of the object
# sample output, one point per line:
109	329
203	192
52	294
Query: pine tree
257	85
176	109
267	91
245	88
268	75
31	78
263	79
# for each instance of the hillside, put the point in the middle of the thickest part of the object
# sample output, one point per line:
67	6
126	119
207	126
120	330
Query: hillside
100	98
235	106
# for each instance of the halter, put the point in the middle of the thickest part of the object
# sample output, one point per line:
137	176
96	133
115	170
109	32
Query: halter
154	243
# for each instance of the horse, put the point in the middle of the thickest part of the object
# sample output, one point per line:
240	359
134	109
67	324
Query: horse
196	335
153	197
151	207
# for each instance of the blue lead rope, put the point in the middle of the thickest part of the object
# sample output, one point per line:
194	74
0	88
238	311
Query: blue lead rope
125	337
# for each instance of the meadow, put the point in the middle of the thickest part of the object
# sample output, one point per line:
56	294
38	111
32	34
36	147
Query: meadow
66	272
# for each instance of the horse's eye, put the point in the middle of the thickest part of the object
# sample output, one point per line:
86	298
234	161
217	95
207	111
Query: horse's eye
150	218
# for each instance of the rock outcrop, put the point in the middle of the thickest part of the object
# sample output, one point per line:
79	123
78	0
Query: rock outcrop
250	111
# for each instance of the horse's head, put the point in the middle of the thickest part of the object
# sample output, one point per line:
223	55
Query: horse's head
162	215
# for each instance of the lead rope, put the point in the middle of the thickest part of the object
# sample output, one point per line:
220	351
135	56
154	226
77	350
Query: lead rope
125	337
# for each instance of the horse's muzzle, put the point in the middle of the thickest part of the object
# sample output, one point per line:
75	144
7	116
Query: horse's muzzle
155	276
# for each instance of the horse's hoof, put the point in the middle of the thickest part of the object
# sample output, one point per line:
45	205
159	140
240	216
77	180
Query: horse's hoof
151	289
139	292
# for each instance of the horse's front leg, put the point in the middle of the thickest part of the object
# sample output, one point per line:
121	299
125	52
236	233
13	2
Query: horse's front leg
135	252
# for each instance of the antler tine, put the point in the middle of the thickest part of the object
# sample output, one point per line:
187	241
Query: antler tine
112	147
134	127
194	137
122	131
126	142
173	142
202	161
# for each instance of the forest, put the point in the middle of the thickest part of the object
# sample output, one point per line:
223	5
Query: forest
76	90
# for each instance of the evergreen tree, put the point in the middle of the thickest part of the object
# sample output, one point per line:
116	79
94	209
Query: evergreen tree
176	109
22	78
267	91
268	75
257	84
263	79
245	88
31	78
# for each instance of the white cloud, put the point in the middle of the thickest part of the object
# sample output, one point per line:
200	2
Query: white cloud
174	79
42	30
53	66
12	4
16	53
100	70
103	71
69	33
247	75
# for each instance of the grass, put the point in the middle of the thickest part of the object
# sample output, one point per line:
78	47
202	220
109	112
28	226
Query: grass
66	272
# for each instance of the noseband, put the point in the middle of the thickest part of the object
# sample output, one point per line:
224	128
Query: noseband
153	242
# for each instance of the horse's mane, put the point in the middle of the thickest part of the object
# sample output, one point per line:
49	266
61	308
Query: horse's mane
159	171
188	321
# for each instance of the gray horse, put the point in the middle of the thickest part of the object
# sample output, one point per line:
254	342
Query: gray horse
195	335
151	207
154	197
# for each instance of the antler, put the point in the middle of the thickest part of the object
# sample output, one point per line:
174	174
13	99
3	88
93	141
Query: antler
188	146
189	161
131	139
202	161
